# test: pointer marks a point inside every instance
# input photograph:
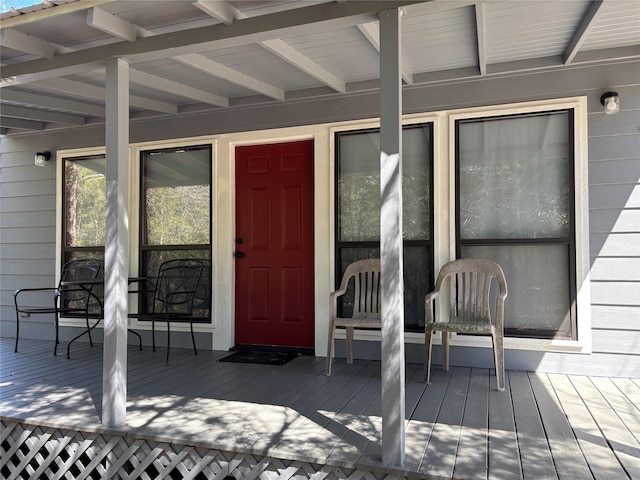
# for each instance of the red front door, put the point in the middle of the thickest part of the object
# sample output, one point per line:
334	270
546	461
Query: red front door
274	245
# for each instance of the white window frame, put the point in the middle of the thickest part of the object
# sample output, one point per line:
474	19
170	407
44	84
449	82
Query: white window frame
582	342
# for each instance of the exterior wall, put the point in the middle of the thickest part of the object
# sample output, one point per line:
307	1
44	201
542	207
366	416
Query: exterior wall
28	215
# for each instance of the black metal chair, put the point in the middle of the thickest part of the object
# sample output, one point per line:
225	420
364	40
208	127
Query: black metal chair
70	297
176	291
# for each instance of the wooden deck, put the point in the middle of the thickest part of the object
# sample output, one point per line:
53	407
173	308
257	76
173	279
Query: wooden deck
460	426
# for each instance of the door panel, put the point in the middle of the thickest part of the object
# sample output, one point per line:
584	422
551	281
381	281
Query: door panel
274	223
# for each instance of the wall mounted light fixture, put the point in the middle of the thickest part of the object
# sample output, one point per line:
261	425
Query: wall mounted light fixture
611	102
42	158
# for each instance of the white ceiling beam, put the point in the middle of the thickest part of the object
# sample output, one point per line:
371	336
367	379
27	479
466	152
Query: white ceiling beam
99	93
8	80
211	67
6	122
26	98
581	32
434	6
481	38
215	8
27	43
41	115
114	25
292	56
302	20
304	63
371	32
51	12
281	49
630	52
152	81
111	24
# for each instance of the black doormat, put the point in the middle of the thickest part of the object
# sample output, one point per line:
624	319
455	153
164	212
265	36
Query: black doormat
261	356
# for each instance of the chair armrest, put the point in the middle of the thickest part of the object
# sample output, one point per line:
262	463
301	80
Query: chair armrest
45	289
16	294
53	290
500	311
429	301
333	302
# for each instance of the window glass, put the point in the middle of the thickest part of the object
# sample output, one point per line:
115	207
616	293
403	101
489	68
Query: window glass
515	177
176	214
515	204
538	304
84	201
177	197
83	232
358	210
84	207
359	185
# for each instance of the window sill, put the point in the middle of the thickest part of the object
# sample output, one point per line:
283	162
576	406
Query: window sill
533	344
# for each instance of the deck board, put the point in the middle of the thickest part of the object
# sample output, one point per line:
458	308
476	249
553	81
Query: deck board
618	437
627	411
504	451
446	433
601	459
419	432
568	459
472	454
534	447
459	426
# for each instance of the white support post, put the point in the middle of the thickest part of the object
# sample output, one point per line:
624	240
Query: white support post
393	367
116	249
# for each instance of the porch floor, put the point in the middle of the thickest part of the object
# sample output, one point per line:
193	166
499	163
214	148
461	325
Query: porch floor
459	426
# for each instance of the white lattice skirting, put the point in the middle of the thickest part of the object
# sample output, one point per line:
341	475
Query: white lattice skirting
31	451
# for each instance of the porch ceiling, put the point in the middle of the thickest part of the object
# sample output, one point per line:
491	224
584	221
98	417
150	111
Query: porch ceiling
193	56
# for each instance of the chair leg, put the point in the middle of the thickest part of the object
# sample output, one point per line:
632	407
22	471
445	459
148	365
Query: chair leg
55	345
89	329
193	339
498	354
445	351
17	330
330	349
153	334
168	340
428	341
349	345
137	335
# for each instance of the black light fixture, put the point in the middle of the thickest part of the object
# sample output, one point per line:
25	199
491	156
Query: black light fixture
42	158
611	102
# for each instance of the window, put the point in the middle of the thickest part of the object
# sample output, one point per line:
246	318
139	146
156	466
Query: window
175	220
515	205
83	221
358	209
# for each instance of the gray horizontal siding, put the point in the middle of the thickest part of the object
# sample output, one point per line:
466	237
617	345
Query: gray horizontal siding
607	269
615	293
616	341
626	318
614	189
624	194
614	222
27	231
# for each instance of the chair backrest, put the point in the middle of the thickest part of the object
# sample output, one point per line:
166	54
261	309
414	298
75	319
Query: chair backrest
470	286
176	286
366	292
75	271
